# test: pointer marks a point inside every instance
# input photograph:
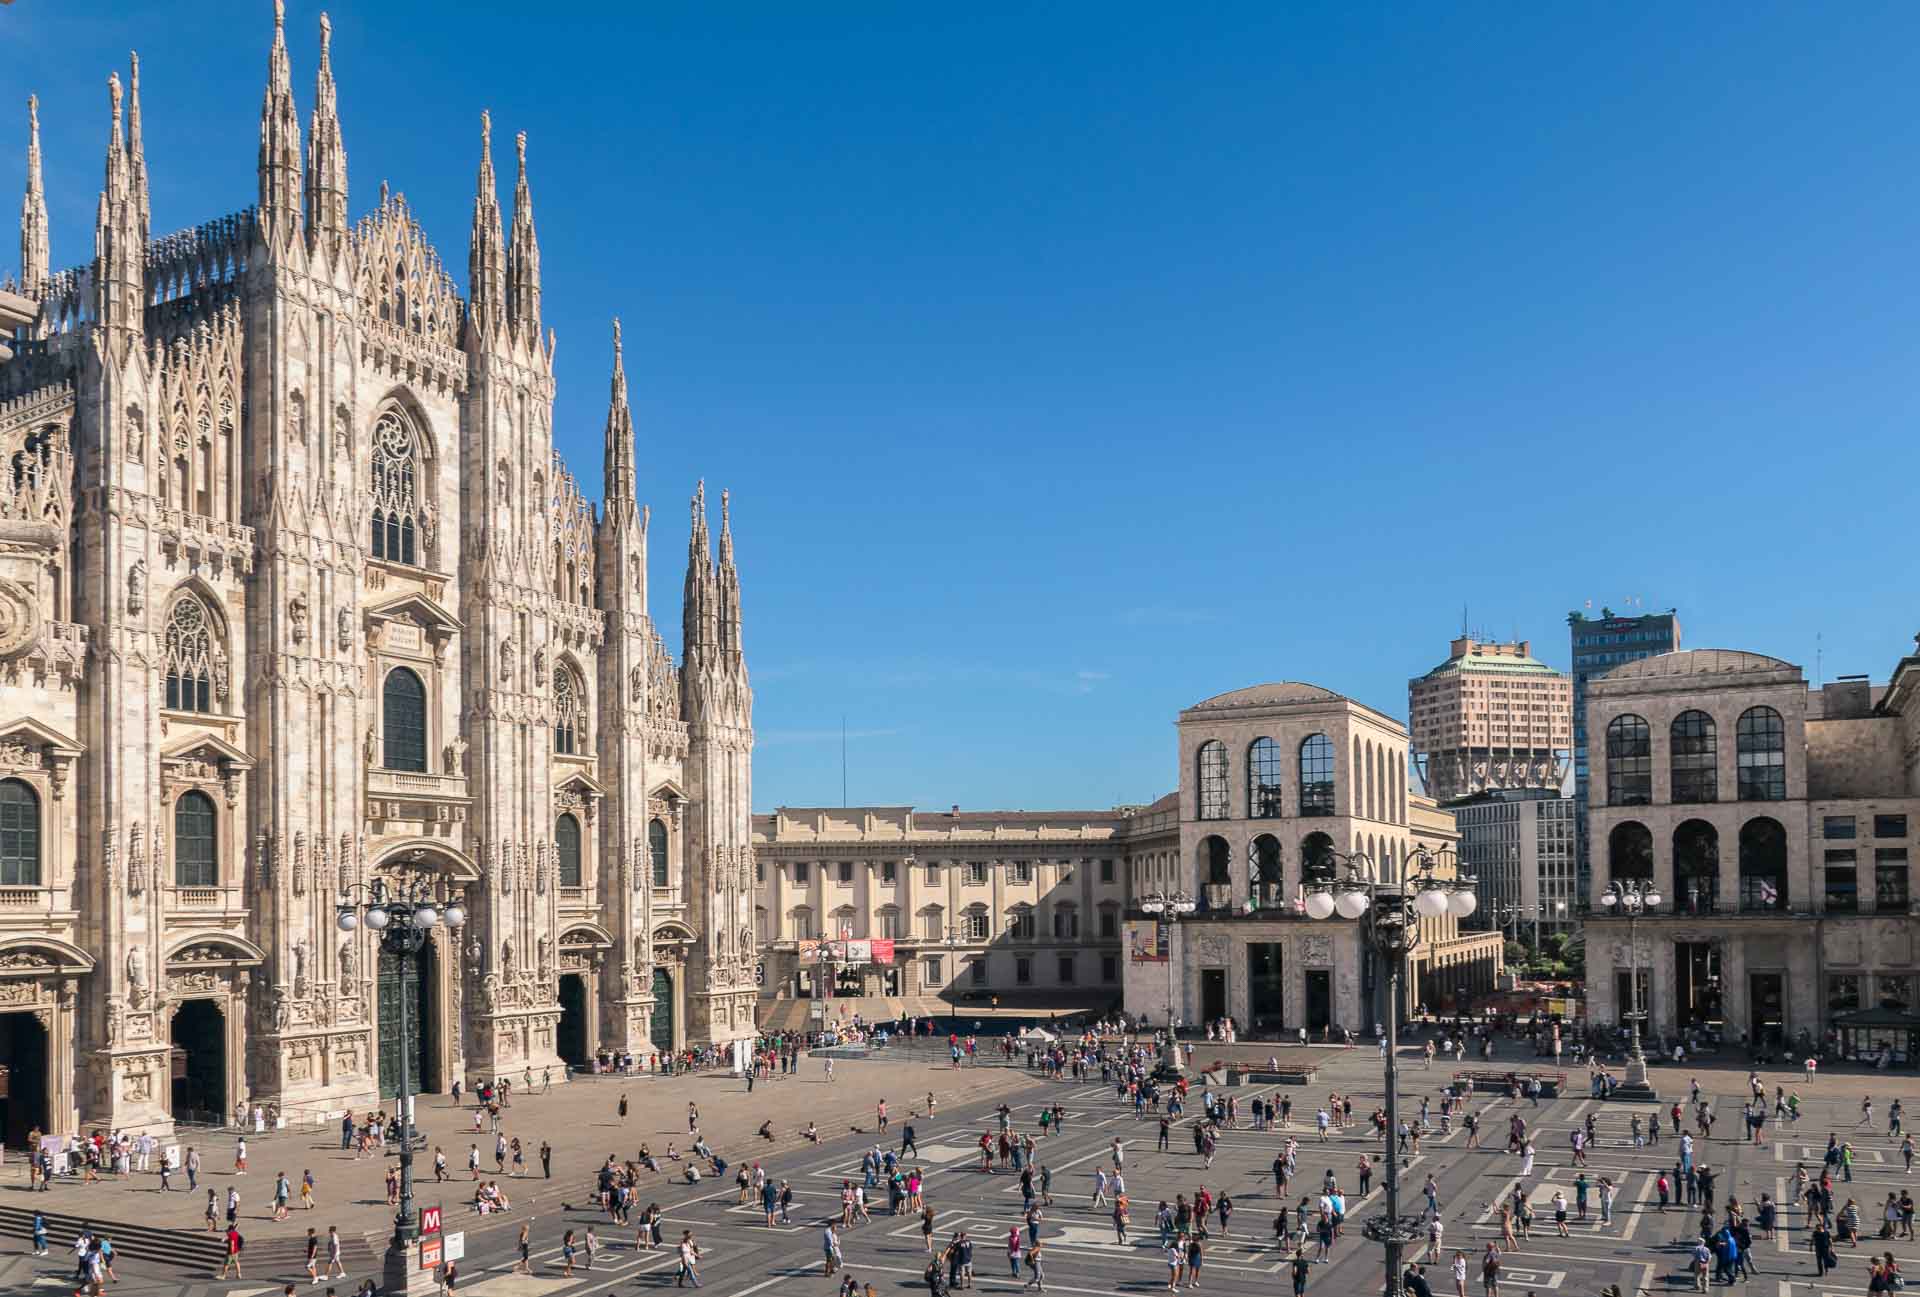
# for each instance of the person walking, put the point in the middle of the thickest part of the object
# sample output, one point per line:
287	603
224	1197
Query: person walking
234	1244
1036	1269
623	1109
525	1245
240	1156
546	1160
313	1255
335	1268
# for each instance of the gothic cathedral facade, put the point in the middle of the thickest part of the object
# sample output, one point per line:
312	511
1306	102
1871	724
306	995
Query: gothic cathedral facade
294	594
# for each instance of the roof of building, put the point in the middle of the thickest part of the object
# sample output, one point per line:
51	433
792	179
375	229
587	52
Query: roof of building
1280	691
1695	662
1506	664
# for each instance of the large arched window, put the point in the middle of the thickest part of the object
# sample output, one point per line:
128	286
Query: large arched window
196	660
566	844
1263	780
1629	761
1266	875
195	862
1316	775
657	851
19	834
1761	743
1694	750
1213	780
403	720
396	500
569	716
1316	859
1696	867
1630	852
1216	861
1763	865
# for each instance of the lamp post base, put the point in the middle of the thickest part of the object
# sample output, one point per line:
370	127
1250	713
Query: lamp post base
401	1275
1634	1086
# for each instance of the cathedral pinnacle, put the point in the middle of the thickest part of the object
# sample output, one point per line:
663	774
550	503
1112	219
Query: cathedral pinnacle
523	259
119	239
326	154
486	255
698	618
279	134
618	454
137	152
35	253
116	143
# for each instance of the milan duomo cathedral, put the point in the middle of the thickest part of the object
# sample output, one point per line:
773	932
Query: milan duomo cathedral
295	594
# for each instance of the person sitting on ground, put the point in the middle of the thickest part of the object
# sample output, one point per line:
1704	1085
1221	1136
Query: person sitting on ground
813	1136
673	1154
693	1173
647	1159
766	1130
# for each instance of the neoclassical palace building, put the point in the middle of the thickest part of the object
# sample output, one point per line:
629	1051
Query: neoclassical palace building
294	593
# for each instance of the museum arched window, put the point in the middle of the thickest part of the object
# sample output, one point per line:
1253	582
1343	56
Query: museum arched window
1630	852
1266	875
1629	761
1316	775
396	499
1693	753
566	844
1760	741
1763	865
19	834
1696	867
569	717
403	721
195	861
1212	761
657	851
195	657
1216	861
1263	780
1316	859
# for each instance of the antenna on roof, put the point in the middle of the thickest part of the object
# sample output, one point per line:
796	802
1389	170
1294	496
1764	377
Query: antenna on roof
843	761
1819	659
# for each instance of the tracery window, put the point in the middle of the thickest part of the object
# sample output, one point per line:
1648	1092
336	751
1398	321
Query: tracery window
566	844
194	860
396	502
657	851
195	659
19	835
403	713
568	717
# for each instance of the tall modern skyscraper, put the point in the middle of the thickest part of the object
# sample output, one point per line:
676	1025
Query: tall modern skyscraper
1490	718
1599	645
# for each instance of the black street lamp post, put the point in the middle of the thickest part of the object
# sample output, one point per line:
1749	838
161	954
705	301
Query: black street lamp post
1391	911
402	915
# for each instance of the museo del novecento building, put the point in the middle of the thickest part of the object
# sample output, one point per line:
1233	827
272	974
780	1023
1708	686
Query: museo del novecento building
295	592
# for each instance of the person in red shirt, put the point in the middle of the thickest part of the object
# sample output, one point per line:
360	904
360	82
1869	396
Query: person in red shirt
234	1244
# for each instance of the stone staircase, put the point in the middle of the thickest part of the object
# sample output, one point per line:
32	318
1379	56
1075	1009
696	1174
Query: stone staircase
195	1251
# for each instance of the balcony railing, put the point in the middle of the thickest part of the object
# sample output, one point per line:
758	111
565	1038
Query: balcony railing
14	899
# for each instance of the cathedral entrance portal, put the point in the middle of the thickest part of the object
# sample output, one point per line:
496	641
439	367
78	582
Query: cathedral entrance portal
663	1010
417	1044
571	1040
199	1063
23	1077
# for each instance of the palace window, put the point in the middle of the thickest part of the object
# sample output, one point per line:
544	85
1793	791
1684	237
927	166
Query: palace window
1213	780
403	715
195	863
1694	748
1263	780
1629	761
566	844
569	728
192	656
1316	775
396	503
1020	923
19	835
657	853
1761	738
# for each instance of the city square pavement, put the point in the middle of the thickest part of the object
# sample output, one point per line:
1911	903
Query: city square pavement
1641	1249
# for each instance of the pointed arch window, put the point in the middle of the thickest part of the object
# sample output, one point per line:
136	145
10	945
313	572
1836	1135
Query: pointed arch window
396	499
195	863
19	834
657	851
566	845
569	717
196	660
403	716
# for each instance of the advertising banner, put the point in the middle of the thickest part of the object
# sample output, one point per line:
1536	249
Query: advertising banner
883	950
859	952
1147	941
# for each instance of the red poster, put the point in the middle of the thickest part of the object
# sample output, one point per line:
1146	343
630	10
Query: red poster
883	950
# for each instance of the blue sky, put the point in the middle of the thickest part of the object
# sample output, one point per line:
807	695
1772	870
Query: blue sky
1072	363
